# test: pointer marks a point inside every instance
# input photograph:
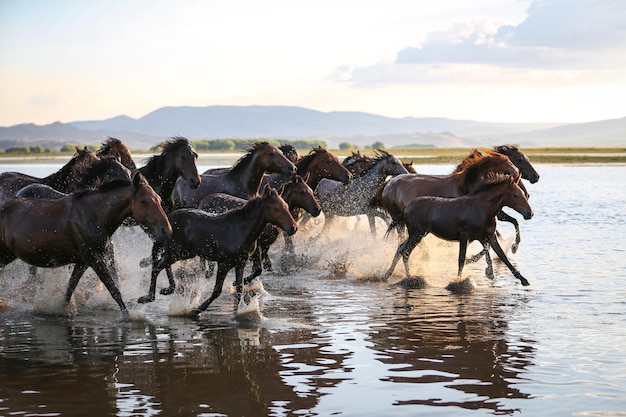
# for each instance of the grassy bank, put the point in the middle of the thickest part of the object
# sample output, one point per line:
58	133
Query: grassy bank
434	155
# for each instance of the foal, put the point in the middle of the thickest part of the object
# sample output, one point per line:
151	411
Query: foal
463	219
227	239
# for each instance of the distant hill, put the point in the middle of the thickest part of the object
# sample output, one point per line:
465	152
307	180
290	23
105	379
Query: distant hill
279	122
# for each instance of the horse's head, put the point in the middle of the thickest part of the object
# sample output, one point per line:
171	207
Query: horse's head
276	211
115	147
180	154
271	159
390	164
290	152
146	208
297	194
357	163
323	164
520	160
515	198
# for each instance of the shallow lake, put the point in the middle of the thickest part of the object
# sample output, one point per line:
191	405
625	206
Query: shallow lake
324	337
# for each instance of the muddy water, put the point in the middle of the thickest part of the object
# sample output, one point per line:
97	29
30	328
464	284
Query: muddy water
324	337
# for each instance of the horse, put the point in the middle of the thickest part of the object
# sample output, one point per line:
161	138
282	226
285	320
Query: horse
463	219
12	182
227	239
528	172
115	147
477	167
357	163
296	193
177	159
242	180
77	228
356	197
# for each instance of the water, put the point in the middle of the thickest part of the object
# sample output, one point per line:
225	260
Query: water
328	339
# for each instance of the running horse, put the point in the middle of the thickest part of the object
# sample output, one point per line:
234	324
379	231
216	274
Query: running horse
356	197
177	159
477	167
242	180
464	219
61	180
227	239
77	228
298	196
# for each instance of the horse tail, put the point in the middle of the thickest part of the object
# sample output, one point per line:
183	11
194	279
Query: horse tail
395	224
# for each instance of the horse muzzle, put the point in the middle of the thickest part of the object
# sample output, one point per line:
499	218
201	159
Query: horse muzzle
194	182
528	214
291	230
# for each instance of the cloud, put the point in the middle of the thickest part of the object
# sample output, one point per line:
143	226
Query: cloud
585	38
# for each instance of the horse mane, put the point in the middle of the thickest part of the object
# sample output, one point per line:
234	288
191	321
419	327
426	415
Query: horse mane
103	187
242	162
477	168
171	145
379	155
303	163
108	145
492	179
92	177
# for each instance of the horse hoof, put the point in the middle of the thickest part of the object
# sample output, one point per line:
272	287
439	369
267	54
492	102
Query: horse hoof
146	262
167	291
145	299
514	248
524	282
194	313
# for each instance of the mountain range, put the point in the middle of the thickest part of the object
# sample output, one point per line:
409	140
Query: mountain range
288	122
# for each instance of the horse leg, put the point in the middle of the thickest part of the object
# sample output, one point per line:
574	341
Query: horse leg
489	269
462	254
496	247
77	273
157	267
222	270
396	258
288	248
256	266
170	278
102	270
372	221
506	218
109	257
406	252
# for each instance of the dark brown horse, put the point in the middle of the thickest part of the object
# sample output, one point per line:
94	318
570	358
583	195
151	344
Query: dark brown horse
227	239
177	159
242	180
463	219
115	147
61	180
296	193
77	228
401	190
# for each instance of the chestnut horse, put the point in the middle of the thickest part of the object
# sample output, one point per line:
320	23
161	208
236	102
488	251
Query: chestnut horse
242	180
77	228
463	219
115	147
227	239
61	180
402	189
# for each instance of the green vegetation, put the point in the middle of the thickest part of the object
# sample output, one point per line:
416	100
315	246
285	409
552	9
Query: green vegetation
417	155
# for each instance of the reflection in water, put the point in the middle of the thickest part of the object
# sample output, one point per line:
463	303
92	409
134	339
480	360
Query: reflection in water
385	345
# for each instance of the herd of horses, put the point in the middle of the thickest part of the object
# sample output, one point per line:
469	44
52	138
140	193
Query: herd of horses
230	216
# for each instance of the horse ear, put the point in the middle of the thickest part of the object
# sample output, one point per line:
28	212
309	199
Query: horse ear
281	189
267	190
306	177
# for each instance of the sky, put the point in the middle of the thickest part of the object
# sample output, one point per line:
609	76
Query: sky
556	61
